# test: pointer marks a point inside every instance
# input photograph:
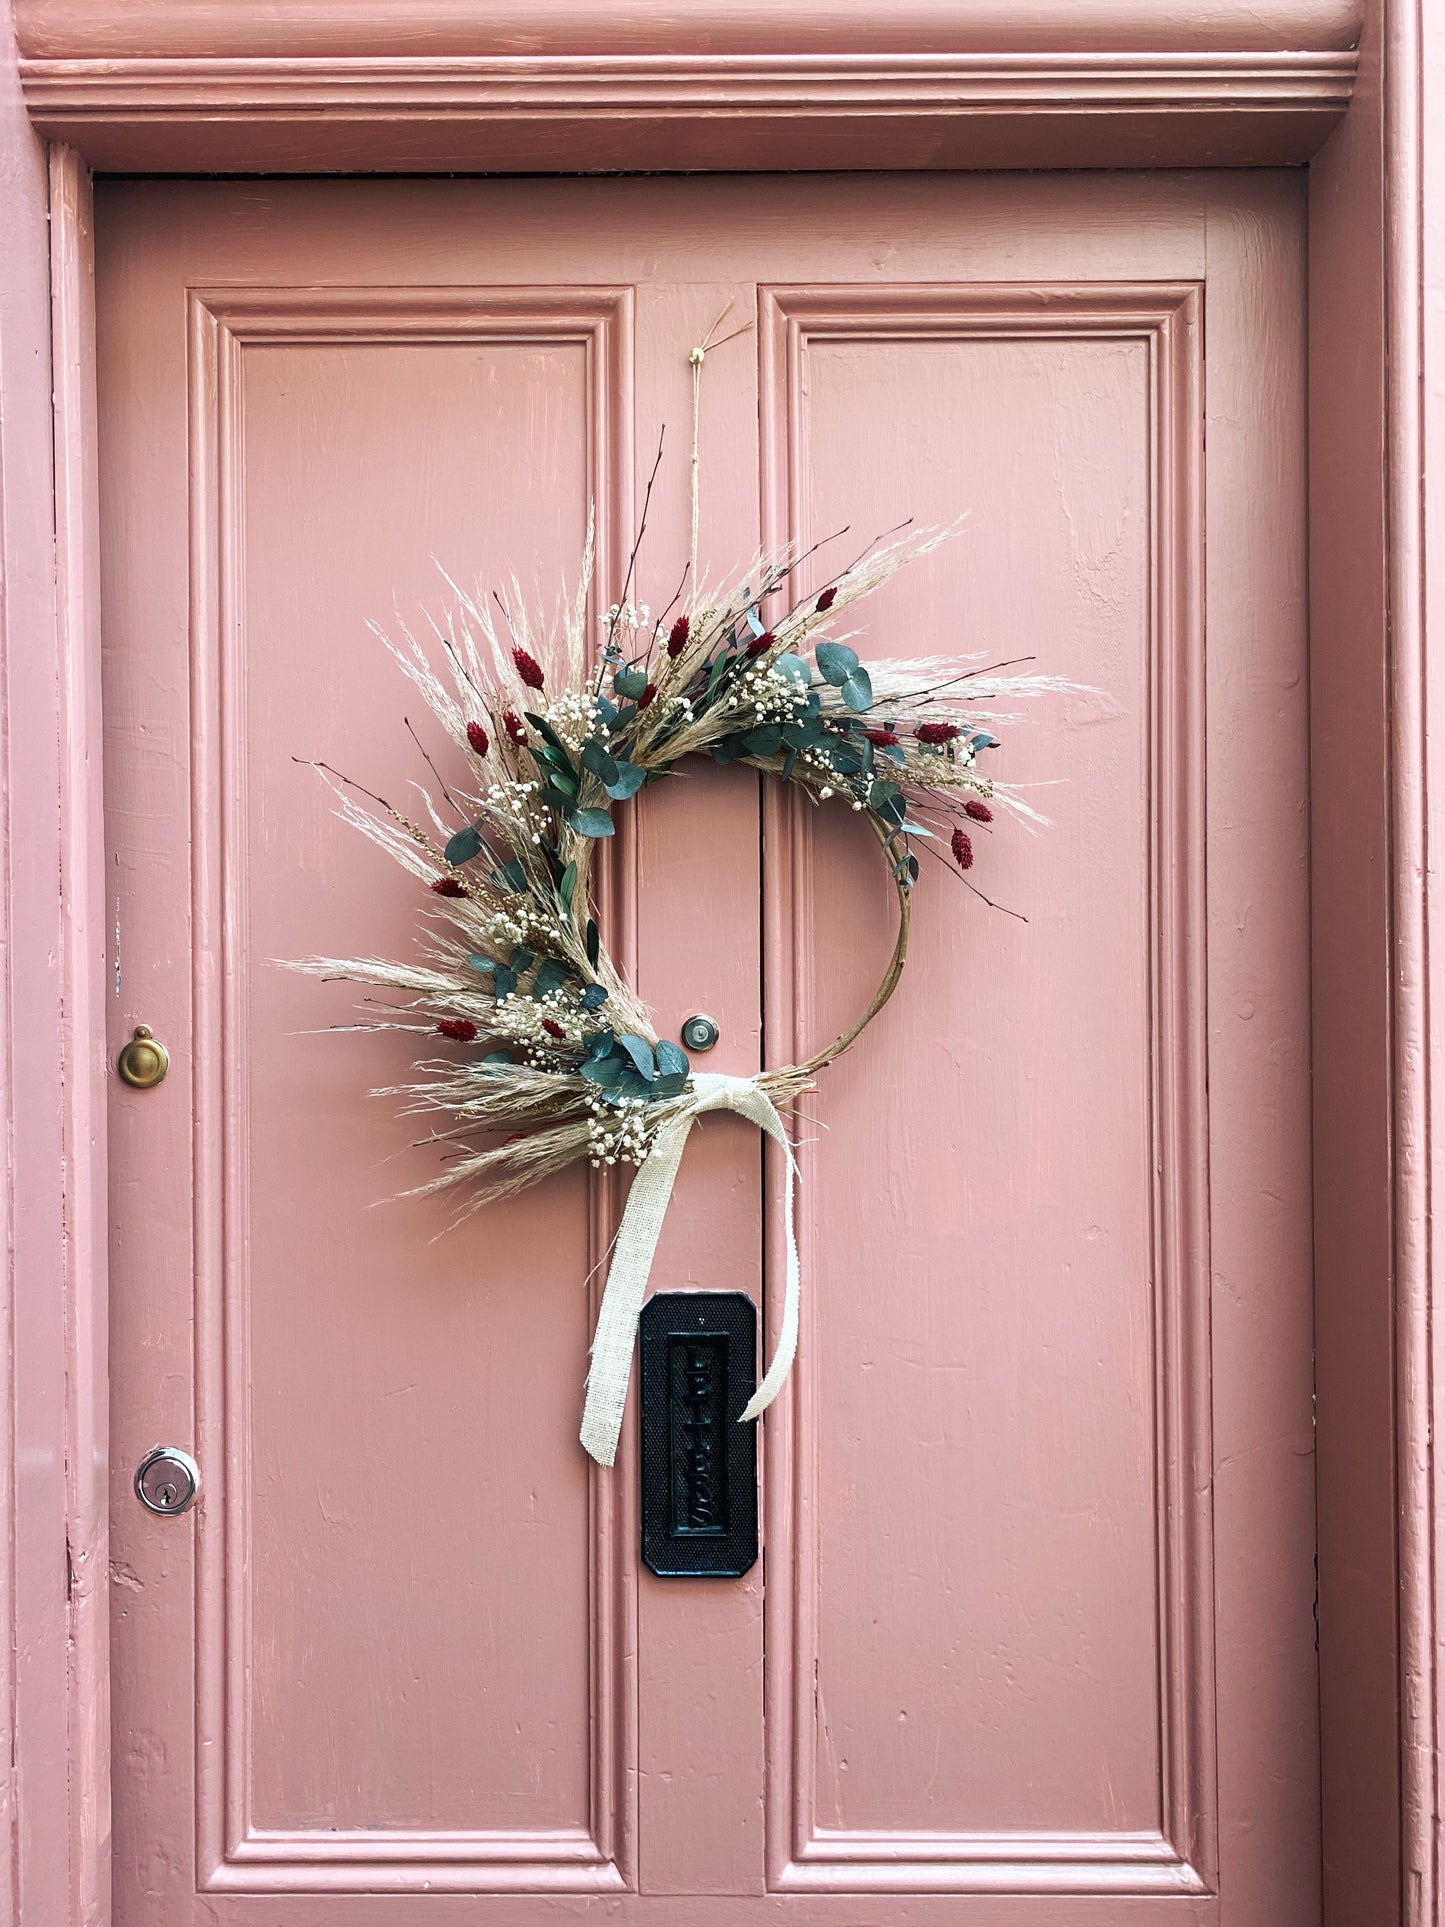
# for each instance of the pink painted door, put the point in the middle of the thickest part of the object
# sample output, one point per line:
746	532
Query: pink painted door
1031	1639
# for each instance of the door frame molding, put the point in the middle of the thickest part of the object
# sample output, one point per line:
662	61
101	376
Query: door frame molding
474	85
173	84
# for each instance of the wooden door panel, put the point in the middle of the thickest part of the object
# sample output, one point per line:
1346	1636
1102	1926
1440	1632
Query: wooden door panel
1053	1392
360	1474
992	1292
361	1504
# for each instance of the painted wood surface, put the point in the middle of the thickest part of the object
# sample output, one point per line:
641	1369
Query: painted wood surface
1037	1613
32	1482
1352	978
78	28
185	85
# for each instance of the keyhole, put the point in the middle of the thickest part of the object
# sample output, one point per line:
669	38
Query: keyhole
167	1480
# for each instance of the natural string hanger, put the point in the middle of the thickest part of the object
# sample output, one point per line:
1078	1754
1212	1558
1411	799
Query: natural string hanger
894	972
696	359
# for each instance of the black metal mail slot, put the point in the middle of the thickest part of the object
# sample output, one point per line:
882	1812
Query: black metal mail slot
699	1466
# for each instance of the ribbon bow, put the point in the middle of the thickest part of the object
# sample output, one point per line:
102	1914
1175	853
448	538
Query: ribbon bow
637	1236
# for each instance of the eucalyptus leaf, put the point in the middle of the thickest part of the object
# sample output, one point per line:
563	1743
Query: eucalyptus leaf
514	873
567	887
522	958
593	996
794	668
804	733
640	1051
766	740
594	943
485	964
982	740
559	799
628	780
728	750
716	673
836	662
504	982
560	770
552	973
596	759
788	762
463	846
546	731
633	1084
602	1071
605	710
630	683
497	1057
856	689
599	1044
755	621
592	823
672	1059
913	868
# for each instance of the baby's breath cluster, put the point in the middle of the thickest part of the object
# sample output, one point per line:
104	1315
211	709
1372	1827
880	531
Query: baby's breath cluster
576	717
617	1133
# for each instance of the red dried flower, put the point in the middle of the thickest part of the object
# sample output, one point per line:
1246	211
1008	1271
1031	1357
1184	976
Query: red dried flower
980	812
963	849
552	1027
528	668
461	1030
882	738
677	637
644	701
826	600
448	887
937	732
477	737
515	728
760	643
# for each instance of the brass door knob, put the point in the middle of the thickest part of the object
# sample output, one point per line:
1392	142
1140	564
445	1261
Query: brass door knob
144	1061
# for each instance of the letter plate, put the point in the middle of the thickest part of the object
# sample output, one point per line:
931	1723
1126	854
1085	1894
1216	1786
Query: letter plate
699	1466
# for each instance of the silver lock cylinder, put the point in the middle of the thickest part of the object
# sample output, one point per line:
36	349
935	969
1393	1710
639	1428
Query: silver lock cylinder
167	1480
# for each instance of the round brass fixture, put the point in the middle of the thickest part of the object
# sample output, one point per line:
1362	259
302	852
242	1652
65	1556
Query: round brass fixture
144	1061
700	1032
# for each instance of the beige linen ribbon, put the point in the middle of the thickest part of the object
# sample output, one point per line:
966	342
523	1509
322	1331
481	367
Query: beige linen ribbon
616	1334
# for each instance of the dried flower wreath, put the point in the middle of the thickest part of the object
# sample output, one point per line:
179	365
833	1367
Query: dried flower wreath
552	1045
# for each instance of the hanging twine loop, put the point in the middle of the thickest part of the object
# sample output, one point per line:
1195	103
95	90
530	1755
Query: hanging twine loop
696	359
